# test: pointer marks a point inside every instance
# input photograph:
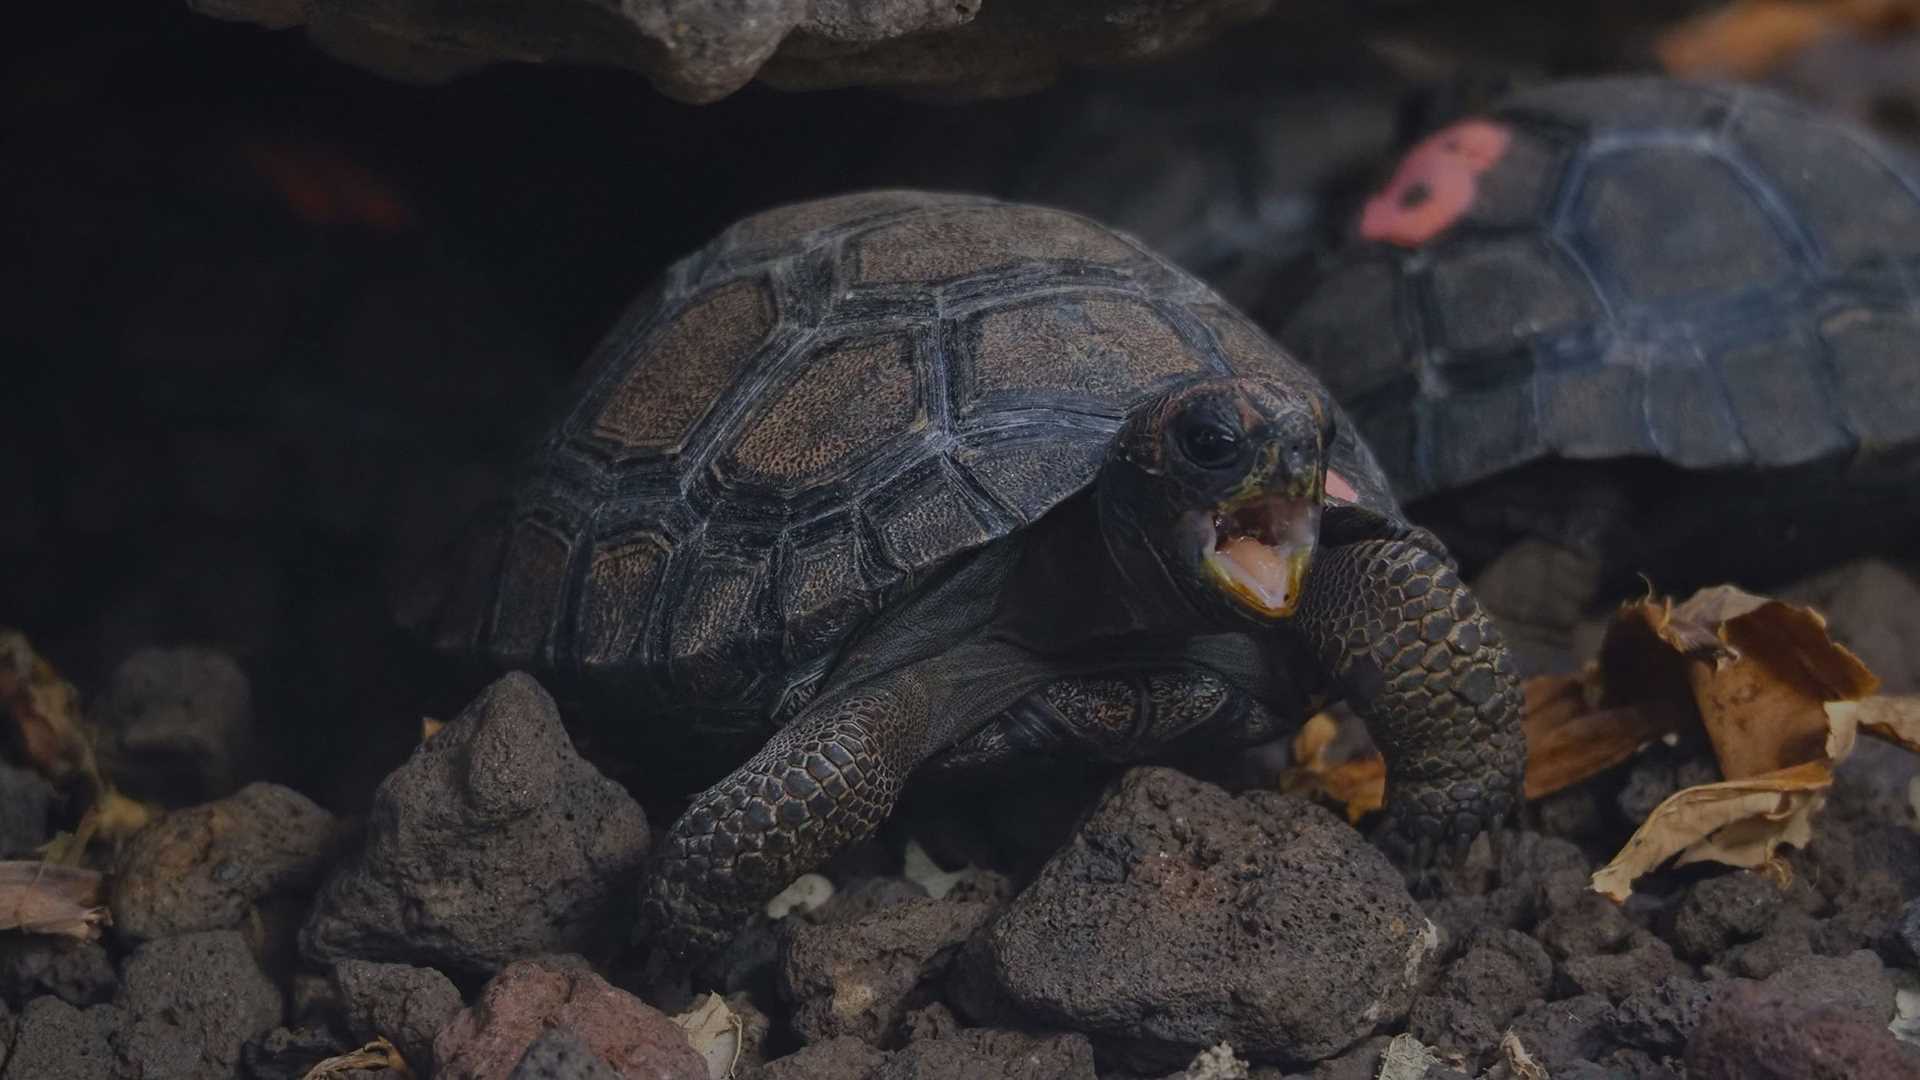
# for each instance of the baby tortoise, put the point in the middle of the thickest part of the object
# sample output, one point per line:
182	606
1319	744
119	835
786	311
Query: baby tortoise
900	479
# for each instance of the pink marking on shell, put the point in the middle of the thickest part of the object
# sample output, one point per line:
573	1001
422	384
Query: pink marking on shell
1338	488
1435	184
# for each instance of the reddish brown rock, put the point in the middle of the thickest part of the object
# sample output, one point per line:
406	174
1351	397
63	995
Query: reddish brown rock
1753	1031
487	1041
208	866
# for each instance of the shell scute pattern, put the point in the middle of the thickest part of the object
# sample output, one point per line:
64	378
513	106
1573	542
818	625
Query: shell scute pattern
1650	268
818	411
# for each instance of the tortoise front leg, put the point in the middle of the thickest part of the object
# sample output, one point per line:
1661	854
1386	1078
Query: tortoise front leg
1418	660
826	780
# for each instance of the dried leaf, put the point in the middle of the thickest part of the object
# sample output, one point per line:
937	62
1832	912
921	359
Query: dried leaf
1360	784
1737	822
716	1033
429	727
45	709
378	1054
1893	717
42	898
1521	1064
1407	1058
1568	740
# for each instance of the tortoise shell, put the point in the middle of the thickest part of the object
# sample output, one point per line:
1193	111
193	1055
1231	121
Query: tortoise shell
814	414
1627	267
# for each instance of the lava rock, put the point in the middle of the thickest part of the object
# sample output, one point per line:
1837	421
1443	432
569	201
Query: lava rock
1722	911
1908	932
1158	928
408	1005
290	1053
559	1054
495	840
860	977
24	801
1854	986
176	725
704	50
1753	1031
192	1001
208	867
487	1040
987	1054
1787	942
77	972
56	1041
1662	1018
1646	963
1558	1033
845	1058
1501	972
1579	921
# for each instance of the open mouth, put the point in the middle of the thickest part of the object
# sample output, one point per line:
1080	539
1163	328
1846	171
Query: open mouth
1257	549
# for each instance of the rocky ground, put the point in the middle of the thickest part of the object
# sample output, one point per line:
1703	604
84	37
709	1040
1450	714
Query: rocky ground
473	924
265	347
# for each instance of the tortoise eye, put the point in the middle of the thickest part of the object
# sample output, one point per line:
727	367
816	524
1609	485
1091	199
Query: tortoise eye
1209	446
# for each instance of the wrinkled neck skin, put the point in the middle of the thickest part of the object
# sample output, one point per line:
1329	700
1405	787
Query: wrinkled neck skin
1146	587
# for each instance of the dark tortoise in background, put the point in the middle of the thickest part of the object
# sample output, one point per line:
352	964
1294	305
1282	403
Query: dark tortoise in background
1670	325
898	479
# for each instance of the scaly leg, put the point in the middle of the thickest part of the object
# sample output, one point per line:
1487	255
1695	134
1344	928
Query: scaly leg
826	780
1411	650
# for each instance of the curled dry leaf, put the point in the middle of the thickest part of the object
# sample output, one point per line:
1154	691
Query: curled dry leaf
1359	783
46	712
1779	700
42	898
378	1054
716	1033
1521	1064
1407	1058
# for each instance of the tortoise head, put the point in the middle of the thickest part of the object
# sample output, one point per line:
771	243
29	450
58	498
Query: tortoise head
1210	499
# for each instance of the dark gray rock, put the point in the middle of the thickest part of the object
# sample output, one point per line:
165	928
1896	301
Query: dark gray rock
559	1054
845	1058
408	1005
56	1041
704	50
495	840
1723	911
1661	1018
1855	986
24	800
176	725
1753	1031
210	867
1788	941
77	972
1558	1033
1908	932
191	1002
1501	972
290	1053
1157	930
986	1054
1648	962
1579	921
861	977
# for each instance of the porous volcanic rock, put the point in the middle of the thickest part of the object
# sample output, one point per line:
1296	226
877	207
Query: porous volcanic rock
1159	928
409	1005
494	841
1501	972
488	1040
968	1054
55	1041
861	976
77	972
176	725
206	867
24	801
191	1002
703	50
1754	1031
559	1054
